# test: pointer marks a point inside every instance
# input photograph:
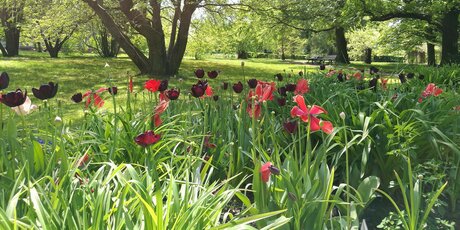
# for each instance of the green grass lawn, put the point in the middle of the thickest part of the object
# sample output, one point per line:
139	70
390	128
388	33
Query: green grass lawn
79	73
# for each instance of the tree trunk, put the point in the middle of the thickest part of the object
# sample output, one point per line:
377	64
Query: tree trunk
12	41
368	56
431	54
449	23
39	47
341	45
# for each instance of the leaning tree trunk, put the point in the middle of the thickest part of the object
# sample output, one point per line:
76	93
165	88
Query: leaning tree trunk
341	45
449	53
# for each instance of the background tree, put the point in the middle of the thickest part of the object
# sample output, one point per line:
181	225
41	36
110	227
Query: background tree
11	17
442	15
56	24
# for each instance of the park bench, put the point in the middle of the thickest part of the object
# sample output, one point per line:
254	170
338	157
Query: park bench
329	59
315	60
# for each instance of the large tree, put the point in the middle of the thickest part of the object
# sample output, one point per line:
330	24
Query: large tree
11	17
163	59
442	15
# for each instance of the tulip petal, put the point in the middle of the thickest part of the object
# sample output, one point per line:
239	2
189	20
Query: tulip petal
315	110
301	103
327	127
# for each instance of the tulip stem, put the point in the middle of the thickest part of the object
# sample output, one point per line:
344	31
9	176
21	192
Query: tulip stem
347	172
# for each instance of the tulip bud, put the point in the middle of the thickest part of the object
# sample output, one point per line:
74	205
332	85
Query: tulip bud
342	115
58	119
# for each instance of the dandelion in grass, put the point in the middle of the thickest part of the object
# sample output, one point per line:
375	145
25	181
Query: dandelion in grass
4	81
14	98
45	91
238	87
302	87
213	74
147	138
430	90
266	170
309	114
199	73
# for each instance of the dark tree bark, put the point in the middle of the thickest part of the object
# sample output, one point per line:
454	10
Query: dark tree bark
431	55
161	62
368	56
242	54
449	30
10	17
341	44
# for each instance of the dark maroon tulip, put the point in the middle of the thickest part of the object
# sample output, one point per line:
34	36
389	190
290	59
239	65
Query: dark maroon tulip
402	78
147	138
199	88
282	91
13	99
172	94
322	67
163	85
215	97
340	77
373	83
290	87
4	81
290	126
421	76
274	170
225	85
279	76
301	73
281	101
77	98
373	70
252	83
46	91
213	74
197	91
113	90
410	75
238	87
199	73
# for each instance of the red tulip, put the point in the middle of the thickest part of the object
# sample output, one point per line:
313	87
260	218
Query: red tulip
159	109
309	115
266	170
301	87
93	97
384	83
152	85
130	86
147	138
431	89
